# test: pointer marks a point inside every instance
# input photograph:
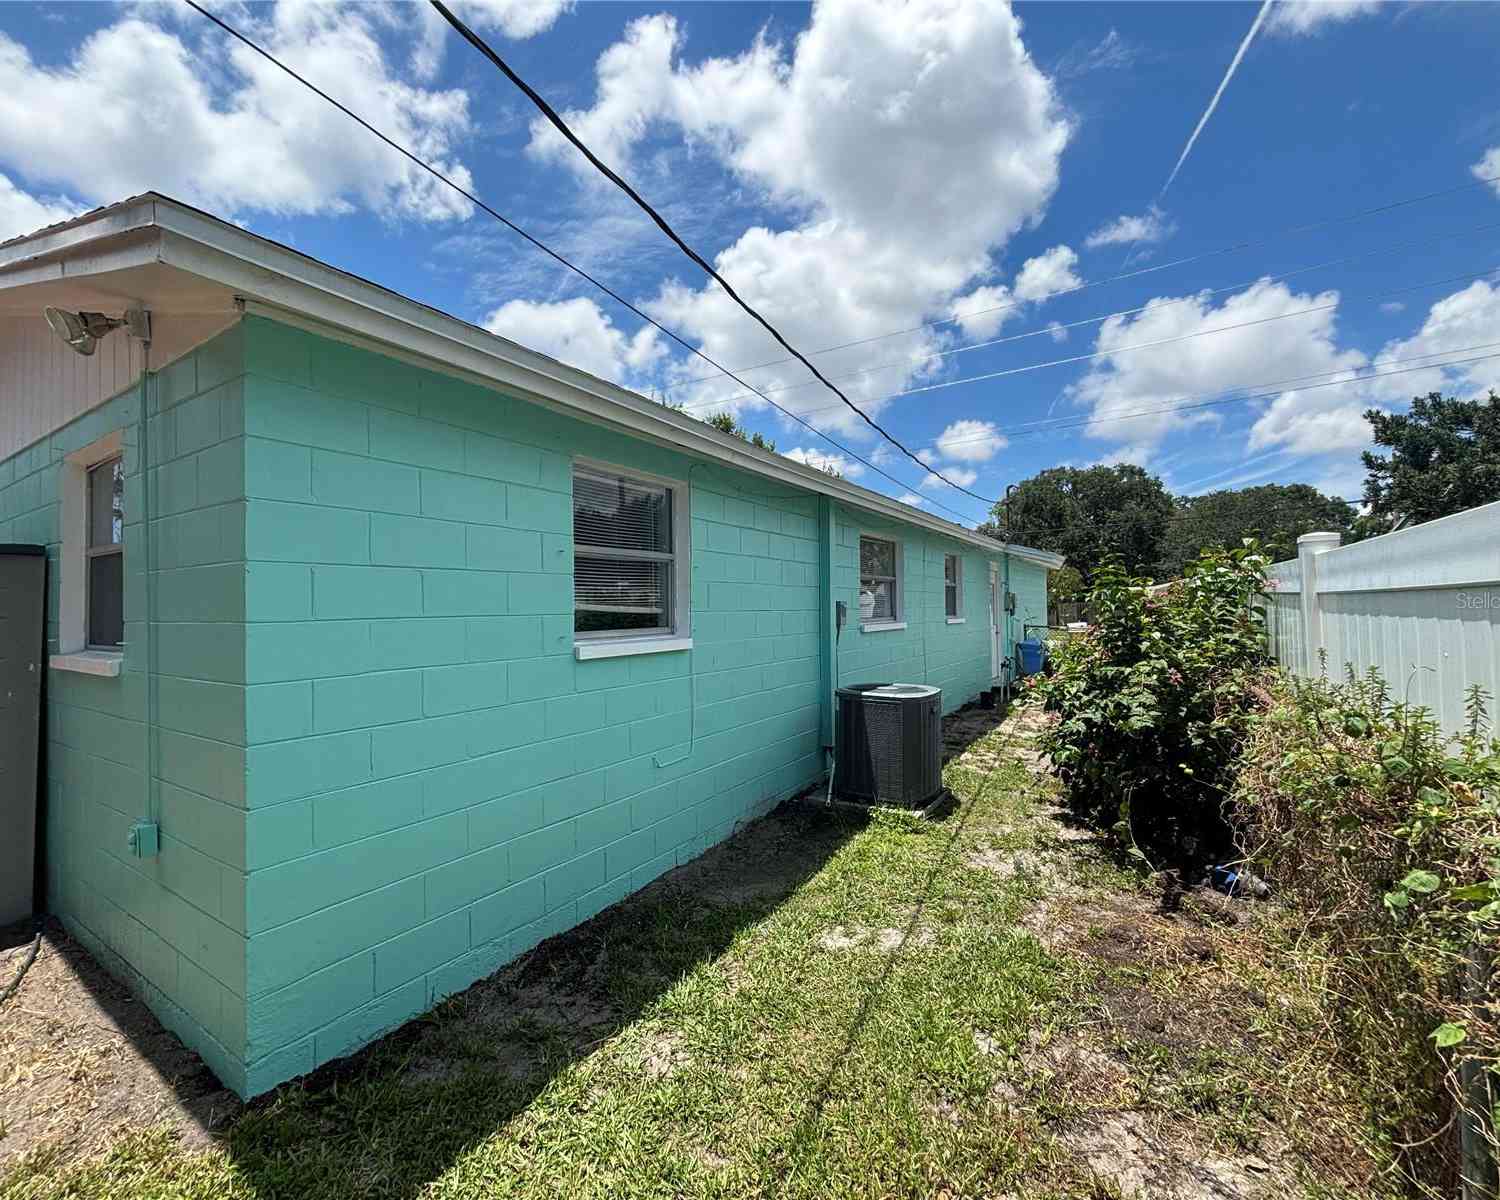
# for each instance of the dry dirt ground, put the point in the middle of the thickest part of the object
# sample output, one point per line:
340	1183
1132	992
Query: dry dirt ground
82	1061
1196	1064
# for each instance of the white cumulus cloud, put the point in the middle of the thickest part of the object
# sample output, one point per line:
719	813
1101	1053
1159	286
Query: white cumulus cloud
981	313
580	334
1147	228
971	441
1453	325
515	19
855	243
1048	274
962	476
135	106
1126	380
21	212
825	461
1331	420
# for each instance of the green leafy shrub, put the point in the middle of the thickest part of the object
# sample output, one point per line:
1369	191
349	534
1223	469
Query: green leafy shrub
1152	701
1387	834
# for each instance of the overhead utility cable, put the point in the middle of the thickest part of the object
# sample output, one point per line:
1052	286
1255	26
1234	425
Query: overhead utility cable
543	247
661	223
1151	305
1236	248
1183	337
1190	404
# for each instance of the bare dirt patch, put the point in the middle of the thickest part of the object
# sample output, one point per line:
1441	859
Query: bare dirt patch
763	864
888	938
1071	1061
663	1055
81	1059
963	732
1030	865
1124	1151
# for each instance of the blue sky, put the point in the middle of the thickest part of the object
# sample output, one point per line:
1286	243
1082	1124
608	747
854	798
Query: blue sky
858	170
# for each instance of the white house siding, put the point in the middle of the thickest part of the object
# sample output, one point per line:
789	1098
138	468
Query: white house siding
44	385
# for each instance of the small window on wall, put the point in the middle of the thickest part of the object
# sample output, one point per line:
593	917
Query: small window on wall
105	577
953	585
879	586
627	568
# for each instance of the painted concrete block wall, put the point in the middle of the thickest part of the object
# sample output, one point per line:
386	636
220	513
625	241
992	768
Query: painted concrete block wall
171	926
435	784
929	650
1029	583
380	772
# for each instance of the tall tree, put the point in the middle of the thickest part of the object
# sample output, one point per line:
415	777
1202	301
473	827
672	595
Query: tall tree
1275	514
1444	457
1087	515
725	423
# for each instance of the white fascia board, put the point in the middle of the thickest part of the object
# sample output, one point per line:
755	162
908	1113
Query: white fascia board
335	301
119	253
59	241
1042	558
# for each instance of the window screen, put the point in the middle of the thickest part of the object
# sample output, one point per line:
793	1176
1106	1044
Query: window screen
877	580
952	583
624	572
106	559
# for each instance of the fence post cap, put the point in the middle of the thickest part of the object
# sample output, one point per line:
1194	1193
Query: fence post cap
1320	539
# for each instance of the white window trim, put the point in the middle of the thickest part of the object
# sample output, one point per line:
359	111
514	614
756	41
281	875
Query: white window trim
898	618
73	651
958	620
620	646
680	637
89	662
958	589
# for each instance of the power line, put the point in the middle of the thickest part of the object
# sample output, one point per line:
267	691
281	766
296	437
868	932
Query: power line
1095	354
1274	391
543	247
1152	305
1276	388
1236	248
661	223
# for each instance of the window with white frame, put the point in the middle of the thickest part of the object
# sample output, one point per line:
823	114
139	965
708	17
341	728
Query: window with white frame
953	585
629	545
105	551
91	564
879	585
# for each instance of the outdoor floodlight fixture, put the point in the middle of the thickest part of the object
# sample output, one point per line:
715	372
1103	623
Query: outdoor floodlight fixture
81	331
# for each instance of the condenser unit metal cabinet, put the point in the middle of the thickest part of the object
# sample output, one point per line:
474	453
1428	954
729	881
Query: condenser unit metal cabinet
889	744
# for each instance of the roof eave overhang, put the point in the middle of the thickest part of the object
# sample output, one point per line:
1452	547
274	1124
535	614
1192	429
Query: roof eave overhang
295	287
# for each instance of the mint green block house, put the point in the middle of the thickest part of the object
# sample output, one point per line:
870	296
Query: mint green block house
382	648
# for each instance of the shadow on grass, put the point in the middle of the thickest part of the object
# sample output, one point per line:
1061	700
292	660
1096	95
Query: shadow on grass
961	729
391	1119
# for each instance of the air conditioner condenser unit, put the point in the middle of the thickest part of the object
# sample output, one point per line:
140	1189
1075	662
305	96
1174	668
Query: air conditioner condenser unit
890	744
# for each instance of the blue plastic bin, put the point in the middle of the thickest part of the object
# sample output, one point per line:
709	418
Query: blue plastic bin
1032	655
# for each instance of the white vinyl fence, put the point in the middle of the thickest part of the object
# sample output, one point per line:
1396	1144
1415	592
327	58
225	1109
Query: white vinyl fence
1421	605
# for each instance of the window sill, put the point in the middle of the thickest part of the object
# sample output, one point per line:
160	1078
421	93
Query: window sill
89	662
881	626
620	647
958	620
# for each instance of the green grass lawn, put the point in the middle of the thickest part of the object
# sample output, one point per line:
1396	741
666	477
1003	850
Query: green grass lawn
824	1007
